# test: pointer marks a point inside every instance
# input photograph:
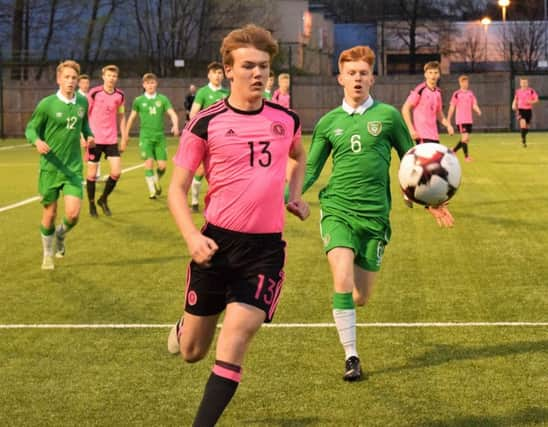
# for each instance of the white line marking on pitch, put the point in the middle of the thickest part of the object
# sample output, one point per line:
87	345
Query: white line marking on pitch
35	198
280	325
11	147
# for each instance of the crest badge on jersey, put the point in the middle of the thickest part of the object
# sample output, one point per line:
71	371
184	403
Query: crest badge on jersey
277	129
374	128
158	103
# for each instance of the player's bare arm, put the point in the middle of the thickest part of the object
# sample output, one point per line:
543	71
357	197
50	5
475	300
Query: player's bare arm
450	113
446	123
194	110
406	113
123	121
200	247
125	133
174	121
296	205
477	109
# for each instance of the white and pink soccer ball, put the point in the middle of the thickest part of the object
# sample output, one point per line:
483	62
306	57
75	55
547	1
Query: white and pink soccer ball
429	174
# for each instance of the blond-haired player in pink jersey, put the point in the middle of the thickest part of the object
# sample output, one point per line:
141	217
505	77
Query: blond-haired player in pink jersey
522	104
463	101
106	106
425	101
238	256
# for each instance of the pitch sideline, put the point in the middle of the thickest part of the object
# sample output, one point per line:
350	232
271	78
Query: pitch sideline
35	198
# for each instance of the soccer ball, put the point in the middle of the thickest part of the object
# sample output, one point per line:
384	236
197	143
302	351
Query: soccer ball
429	174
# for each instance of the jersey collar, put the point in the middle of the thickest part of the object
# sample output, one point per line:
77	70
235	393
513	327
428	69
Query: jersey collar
66	100
361	108
147	96
214	88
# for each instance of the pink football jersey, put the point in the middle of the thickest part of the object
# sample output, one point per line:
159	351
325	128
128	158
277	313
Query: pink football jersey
426	103
464	101
524	98
245	157
280	98
103	114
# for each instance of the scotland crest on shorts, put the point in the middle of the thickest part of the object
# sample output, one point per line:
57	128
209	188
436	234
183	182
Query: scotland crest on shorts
374	128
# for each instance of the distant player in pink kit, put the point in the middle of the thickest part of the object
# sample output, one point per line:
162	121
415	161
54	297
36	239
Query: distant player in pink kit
106	106
425	101
463	102
522	104
238	256
281	95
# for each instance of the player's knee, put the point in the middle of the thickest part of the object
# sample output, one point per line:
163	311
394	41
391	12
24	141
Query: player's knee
72	216
115	176
192	353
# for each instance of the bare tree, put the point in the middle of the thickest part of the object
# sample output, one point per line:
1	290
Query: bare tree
472	48
167	30
528	43
49	35
17	37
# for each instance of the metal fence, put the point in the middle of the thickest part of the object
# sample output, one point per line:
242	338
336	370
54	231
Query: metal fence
312	97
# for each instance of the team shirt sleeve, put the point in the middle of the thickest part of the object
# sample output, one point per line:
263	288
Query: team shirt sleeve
191	151
317	155
413	98
199	99
439	106
35	126
135	105
400	138
86	130
454	99
90	101
121	107
167	103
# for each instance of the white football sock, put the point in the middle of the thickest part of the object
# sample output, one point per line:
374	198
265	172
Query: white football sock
195	191
47	244
345	321
150	184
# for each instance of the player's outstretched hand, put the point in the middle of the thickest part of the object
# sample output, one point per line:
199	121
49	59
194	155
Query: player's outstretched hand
202	249
450	130
442	215
299	208
175	130
91	142
42	147
123	144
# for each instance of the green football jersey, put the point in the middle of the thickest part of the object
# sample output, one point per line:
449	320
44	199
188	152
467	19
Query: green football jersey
151	114
59	124
361	148
207	96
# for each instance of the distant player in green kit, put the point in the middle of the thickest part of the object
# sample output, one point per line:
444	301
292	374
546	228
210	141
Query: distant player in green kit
151	107
54	129
355	203
205	97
